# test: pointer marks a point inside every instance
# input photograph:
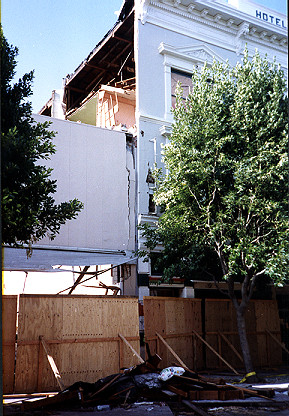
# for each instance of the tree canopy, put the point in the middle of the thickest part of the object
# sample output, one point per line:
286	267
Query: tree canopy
225	193
29	211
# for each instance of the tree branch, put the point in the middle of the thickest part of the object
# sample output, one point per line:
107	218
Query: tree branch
196	199
253	282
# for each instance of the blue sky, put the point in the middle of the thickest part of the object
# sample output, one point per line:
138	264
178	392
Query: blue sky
55	36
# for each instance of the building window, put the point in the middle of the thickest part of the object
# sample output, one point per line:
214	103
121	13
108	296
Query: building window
186	82
152	205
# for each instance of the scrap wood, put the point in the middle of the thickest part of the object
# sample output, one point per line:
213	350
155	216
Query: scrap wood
215	352
196	409
179	392
251	392
202	383
106	385
60	398
76	283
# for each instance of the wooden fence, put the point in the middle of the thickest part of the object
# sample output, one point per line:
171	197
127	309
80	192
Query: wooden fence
262	319
81	334
9	316
174	319
88	337
204	335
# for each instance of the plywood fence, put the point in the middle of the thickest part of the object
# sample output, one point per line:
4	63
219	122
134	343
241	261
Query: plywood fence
83	336
82	333
176	319
221	327
9	316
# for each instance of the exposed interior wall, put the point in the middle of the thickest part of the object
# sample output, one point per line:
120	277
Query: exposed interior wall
86	113
116	107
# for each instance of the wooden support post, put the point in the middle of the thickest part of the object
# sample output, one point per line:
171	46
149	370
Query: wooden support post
215	352
172	351
232	347
277	340
219	347
40	366
120	343
195	351
52	363
131	347
267	348
157	345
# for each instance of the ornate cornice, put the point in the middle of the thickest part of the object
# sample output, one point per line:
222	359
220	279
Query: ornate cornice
230	25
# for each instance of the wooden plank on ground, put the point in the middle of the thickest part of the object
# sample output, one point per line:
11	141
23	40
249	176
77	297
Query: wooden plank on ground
196	409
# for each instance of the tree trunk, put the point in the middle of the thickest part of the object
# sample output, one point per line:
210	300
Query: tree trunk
240	313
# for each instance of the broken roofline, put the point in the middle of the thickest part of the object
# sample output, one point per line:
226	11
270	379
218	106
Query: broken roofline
110	34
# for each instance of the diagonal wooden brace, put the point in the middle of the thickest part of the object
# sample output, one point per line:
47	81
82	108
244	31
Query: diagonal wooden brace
51	361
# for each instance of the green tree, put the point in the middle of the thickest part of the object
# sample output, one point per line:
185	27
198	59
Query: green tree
29	211
225	194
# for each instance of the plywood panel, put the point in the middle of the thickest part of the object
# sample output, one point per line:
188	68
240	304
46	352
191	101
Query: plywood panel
9	316
260	315
169	317
220	316
68	321
267	317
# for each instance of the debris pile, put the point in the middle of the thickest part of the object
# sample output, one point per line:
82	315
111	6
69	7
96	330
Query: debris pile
146	382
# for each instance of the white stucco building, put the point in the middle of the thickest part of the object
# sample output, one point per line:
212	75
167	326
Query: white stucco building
127	83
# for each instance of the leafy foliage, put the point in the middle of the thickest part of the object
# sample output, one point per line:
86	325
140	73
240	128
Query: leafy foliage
29	211
225	196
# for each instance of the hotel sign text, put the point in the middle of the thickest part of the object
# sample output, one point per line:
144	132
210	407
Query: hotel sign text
271	19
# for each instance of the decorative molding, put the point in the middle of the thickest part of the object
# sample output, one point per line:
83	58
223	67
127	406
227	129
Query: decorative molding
166	130
241	34
152	119
229	26
273	38
191	8
204	12
230	22
217	18
200	53
143	10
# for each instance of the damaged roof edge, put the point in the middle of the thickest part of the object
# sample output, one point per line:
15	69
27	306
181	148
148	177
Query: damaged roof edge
126	10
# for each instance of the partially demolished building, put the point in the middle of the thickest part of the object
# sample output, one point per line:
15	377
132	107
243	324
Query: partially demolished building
127	83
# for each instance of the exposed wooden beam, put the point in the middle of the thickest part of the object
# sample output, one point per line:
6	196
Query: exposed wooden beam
78	279
74	89
122	39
